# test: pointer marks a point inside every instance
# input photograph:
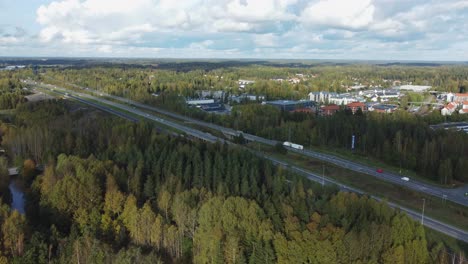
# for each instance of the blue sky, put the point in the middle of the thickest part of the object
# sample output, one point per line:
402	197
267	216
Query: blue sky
299	29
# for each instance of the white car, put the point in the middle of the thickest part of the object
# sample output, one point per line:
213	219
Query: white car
405	178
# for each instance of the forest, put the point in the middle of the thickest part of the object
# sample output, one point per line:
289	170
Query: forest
117	192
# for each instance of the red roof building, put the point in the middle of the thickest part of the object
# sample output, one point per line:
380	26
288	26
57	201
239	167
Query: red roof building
355	106
329	110
303	110
460	97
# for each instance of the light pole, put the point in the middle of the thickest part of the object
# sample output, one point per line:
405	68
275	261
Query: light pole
323	175
422	215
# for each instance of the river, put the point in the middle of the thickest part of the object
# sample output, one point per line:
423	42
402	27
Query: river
17	196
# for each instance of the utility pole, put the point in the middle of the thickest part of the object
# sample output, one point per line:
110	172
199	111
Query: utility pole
422	215
323	175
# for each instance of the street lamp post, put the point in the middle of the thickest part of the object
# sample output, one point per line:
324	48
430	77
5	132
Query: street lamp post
422	215
323	175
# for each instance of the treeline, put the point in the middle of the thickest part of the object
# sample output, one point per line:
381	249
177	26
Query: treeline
124	193
140	83
11	93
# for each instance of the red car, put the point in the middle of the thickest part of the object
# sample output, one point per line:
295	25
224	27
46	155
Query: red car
379	170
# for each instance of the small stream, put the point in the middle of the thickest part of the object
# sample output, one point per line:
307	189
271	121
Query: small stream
17	196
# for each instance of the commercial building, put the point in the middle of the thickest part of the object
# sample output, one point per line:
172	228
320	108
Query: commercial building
414	88
459	126
199	101
289	105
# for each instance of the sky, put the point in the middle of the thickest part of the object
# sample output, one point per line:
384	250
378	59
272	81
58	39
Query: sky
264	29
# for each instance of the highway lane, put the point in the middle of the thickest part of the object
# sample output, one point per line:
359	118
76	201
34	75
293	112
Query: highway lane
429	222
80	96
454	195
109	110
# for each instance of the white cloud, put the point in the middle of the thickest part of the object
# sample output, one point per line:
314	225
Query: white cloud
266	40
201	45
245	28
350	14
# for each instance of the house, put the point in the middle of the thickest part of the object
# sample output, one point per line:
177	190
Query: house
355	106
459	98
329	110
449	109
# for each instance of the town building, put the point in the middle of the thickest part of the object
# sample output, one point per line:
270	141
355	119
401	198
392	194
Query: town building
414	88
449	108
321	97
383	108
329	110
199	101
355	106
211	94
458	126
246	97
459	98
289	105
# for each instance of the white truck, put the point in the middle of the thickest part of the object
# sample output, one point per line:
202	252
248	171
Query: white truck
292	145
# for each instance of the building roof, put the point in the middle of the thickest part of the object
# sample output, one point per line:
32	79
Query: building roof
461	94
303	110
285	102
385	107
331	107
417	88
356	104
451	106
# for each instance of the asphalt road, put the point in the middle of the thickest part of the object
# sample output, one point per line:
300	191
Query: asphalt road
429	222
456	195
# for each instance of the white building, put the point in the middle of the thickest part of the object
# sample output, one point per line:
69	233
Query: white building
321	97
414	88
449	109
200	101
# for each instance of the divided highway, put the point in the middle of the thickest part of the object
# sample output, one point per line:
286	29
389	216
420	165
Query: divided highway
454	195
429	222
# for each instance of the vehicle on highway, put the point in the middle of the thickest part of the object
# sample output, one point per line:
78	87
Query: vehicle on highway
379	170
405	178
292	145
